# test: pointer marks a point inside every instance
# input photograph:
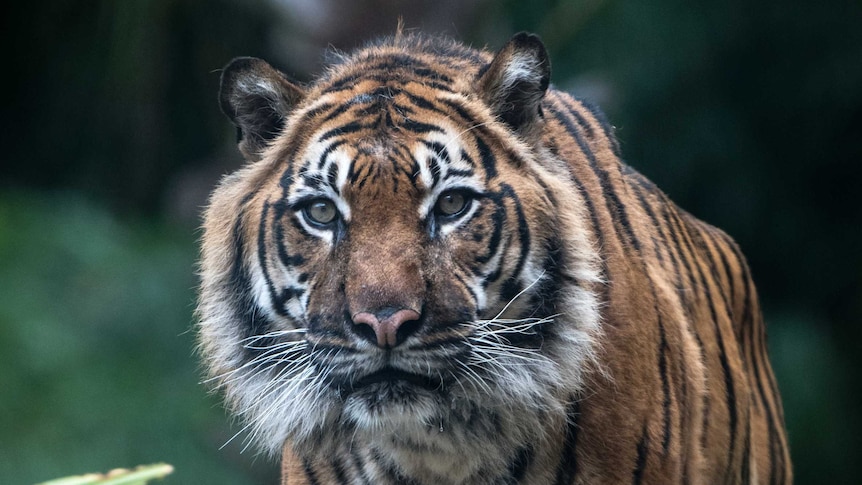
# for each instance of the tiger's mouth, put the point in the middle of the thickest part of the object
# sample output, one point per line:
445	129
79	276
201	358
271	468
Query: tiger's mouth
392	376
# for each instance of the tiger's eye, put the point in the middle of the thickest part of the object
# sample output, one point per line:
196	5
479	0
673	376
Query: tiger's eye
451	203
321	211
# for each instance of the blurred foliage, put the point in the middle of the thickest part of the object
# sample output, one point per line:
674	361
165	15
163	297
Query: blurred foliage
96	346
748	114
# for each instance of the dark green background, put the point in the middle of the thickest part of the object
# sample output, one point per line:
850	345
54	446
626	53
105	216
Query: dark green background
749	114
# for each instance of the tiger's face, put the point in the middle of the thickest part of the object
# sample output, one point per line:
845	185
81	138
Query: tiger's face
389	261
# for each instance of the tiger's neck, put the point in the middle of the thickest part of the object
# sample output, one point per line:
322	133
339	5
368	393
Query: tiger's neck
481	446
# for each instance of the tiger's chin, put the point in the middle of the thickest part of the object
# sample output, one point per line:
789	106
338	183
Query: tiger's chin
391	399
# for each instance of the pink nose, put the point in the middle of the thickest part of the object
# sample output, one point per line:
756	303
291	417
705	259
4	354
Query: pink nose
386	329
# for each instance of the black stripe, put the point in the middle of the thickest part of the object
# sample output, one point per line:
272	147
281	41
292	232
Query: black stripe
704	241
336	112
567	468
599	115
419	127
728	272
338	470
614	205
434	165
663	346
280	210
321	161
309	473
422	102
597	232
430	72
645	205
353	174
359	466
665	385
318	110
351	127
746	456
523	459
262	260
770	423
462	111
640	463
568	102
498	219
255	323
332	177
465	157
346	82
457	276
672	251
489	162
511	287
730	392
675	230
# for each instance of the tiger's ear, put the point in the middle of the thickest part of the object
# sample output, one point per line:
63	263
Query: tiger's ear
257	98
515	82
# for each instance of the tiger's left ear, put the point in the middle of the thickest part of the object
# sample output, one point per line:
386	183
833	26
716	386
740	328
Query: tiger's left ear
515	82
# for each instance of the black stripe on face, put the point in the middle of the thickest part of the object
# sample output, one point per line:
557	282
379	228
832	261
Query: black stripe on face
468	119
383	77
489	162
321	160
254	322
511	287
281	210
262	260
422	103
348	128
434	161
498	219
419	127
332	177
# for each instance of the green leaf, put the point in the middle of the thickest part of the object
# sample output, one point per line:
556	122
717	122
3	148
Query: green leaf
139	476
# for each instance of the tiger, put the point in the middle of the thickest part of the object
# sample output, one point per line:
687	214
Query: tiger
434	267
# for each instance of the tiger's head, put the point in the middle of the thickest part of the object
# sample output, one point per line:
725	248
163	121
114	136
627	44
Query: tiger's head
400	255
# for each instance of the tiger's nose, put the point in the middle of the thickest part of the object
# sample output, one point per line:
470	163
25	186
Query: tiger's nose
388	327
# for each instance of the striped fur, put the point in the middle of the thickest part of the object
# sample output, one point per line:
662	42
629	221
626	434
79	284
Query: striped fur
574	325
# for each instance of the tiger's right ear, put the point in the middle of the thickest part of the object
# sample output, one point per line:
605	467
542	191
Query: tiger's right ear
257	98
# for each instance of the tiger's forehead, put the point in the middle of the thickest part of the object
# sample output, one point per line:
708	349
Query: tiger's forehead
379	144
388	159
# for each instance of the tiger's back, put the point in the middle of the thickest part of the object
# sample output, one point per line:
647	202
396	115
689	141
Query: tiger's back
689	342
576	326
